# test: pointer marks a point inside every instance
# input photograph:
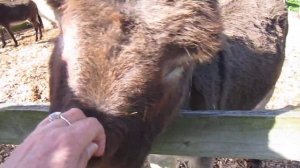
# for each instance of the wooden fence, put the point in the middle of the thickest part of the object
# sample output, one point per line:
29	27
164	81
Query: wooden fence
234	134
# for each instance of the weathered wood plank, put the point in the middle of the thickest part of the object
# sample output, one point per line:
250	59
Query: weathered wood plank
16	122
242	134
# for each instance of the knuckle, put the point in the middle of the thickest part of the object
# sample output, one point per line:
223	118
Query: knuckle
77	112
92	121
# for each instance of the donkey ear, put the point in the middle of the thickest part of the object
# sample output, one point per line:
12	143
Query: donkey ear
55	4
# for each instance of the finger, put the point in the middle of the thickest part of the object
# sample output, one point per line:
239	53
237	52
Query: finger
91	131
71	115
87	155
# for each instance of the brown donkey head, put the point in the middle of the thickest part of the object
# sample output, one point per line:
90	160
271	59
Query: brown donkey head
128	64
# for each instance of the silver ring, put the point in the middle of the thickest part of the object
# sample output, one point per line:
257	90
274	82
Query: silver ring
58	115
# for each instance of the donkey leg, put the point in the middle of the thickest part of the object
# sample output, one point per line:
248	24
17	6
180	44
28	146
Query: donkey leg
194	162
40	23
40	26
36	33
40	29
11	34
35	26
254	163
2	38
205	162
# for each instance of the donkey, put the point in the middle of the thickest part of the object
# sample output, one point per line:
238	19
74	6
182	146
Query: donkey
251	58
19	12
129	64
250	61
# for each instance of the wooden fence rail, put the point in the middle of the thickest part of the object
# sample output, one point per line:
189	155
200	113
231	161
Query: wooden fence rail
235	134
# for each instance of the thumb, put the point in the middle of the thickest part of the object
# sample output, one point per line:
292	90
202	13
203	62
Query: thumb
91	150
87	155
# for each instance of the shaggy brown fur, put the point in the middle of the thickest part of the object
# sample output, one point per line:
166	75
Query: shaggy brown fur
250	62
128	64
10	12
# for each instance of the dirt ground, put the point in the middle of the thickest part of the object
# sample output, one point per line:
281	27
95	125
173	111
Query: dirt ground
24	70
24	80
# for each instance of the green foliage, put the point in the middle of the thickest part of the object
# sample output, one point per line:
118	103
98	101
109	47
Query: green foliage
293	5
22	26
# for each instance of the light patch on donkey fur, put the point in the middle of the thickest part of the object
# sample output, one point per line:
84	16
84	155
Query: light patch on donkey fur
175	74
71	52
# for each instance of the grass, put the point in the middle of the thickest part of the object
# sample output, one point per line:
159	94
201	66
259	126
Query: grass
21	26
293	5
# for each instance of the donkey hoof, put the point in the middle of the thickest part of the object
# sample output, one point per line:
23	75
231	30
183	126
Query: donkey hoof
254	163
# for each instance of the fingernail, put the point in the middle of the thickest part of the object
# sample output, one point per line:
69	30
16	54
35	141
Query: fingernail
91	149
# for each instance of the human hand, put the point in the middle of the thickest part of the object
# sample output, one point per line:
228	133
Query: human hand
57	144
